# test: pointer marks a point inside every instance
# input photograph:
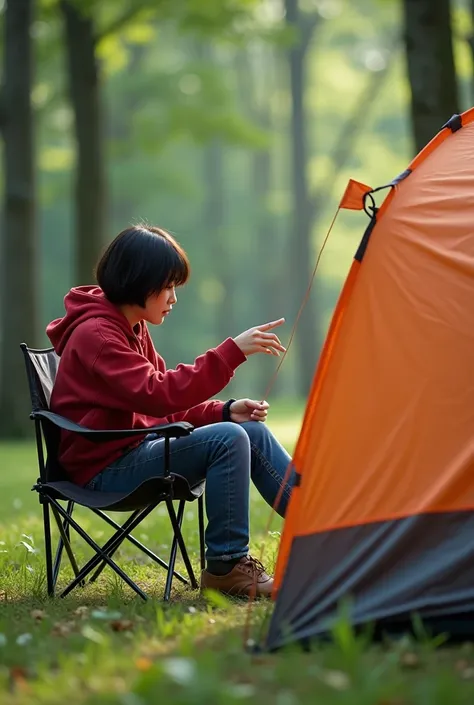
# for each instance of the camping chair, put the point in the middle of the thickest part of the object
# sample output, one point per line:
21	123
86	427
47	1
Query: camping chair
54	487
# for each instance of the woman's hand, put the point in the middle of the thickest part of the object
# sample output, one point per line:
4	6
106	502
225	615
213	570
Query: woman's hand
248	410
259	340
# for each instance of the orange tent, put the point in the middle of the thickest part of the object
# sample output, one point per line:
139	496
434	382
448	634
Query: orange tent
382	514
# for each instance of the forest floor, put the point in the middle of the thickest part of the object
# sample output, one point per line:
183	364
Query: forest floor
102	644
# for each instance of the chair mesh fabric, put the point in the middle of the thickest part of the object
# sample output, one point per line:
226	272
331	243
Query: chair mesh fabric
150	491
42	368
46	367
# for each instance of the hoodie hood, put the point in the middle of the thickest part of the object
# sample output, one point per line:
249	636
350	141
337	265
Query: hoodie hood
81	304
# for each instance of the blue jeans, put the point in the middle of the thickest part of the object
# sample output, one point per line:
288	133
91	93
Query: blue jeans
227	455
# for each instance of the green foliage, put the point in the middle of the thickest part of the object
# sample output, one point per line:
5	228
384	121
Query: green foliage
191	101
173	84
227	18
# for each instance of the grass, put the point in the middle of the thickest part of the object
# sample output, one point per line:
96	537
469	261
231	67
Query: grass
103	645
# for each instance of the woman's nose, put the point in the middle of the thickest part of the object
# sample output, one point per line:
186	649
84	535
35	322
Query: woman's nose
173	299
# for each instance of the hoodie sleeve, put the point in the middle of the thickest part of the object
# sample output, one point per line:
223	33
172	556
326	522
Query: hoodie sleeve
133	383
202	414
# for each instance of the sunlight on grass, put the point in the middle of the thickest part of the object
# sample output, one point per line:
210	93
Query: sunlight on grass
101	644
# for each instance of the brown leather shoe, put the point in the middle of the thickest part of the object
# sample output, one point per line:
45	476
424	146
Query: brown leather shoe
247	577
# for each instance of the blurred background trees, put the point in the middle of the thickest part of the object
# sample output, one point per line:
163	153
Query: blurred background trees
235	124
431	68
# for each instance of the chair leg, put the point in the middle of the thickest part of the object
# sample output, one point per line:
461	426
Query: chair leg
57	560
115	541
47	549
65	539
202	547
59	550
108	548
139	545
100	556
174	549
182	546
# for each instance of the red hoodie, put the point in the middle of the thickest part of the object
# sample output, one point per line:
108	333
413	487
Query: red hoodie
110	376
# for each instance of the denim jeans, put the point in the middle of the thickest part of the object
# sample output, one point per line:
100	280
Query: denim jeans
227	455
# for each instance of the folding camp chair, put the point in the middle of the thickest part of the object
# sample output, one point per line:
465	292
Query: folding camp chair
53	487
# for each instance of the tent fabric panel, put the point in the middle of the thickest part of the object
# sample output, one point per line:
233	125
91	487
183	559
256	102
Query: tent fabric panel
388	570
388	426
466	118
303	447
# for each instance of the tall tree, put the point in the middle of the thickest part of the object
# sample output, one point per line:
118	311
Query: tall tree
215	222
470	40
18	257
82	39
431	68
258	76
215	218
85	95
300	248
120	135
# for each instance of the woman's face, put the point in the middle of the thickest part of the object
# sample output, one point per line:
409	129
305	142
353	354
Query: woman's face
158	306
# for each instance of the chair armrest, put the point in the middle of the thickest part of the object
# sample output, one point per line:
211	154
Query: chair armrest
170	430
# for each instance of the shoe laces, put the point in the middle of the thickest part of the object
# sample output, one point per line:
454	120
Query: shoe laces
256	566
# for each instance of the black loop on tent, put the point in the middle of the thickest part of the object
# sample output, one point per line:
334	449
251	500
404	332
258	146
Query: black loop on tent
365	238
454	123
369	208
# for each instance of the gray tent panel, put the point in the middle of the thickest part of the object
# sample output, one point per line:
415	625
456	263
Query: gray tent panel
388	570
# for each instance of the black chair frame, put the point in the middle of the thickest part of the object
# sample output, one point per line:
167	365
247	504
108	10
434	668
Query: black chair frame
54	487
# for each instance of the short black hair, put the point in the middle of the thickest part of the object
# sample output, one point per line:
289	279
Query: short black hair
139	262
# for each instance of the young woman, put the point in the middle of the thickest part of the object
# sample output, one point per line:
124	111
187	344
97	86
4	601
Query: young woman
111	376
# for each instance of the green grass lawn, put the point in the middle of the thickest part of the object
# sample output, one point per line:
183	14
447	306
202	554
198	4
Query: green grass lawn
104	645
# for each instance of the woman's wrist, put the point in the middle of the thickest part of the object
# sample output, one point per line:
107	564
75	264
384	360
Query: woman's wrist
226	410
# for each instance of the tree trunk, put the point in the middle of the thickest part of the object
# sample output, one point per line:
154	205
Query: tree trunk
257	86
84	89
19	263
214	221
301	255
127	103
470	40
431	69
268	282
